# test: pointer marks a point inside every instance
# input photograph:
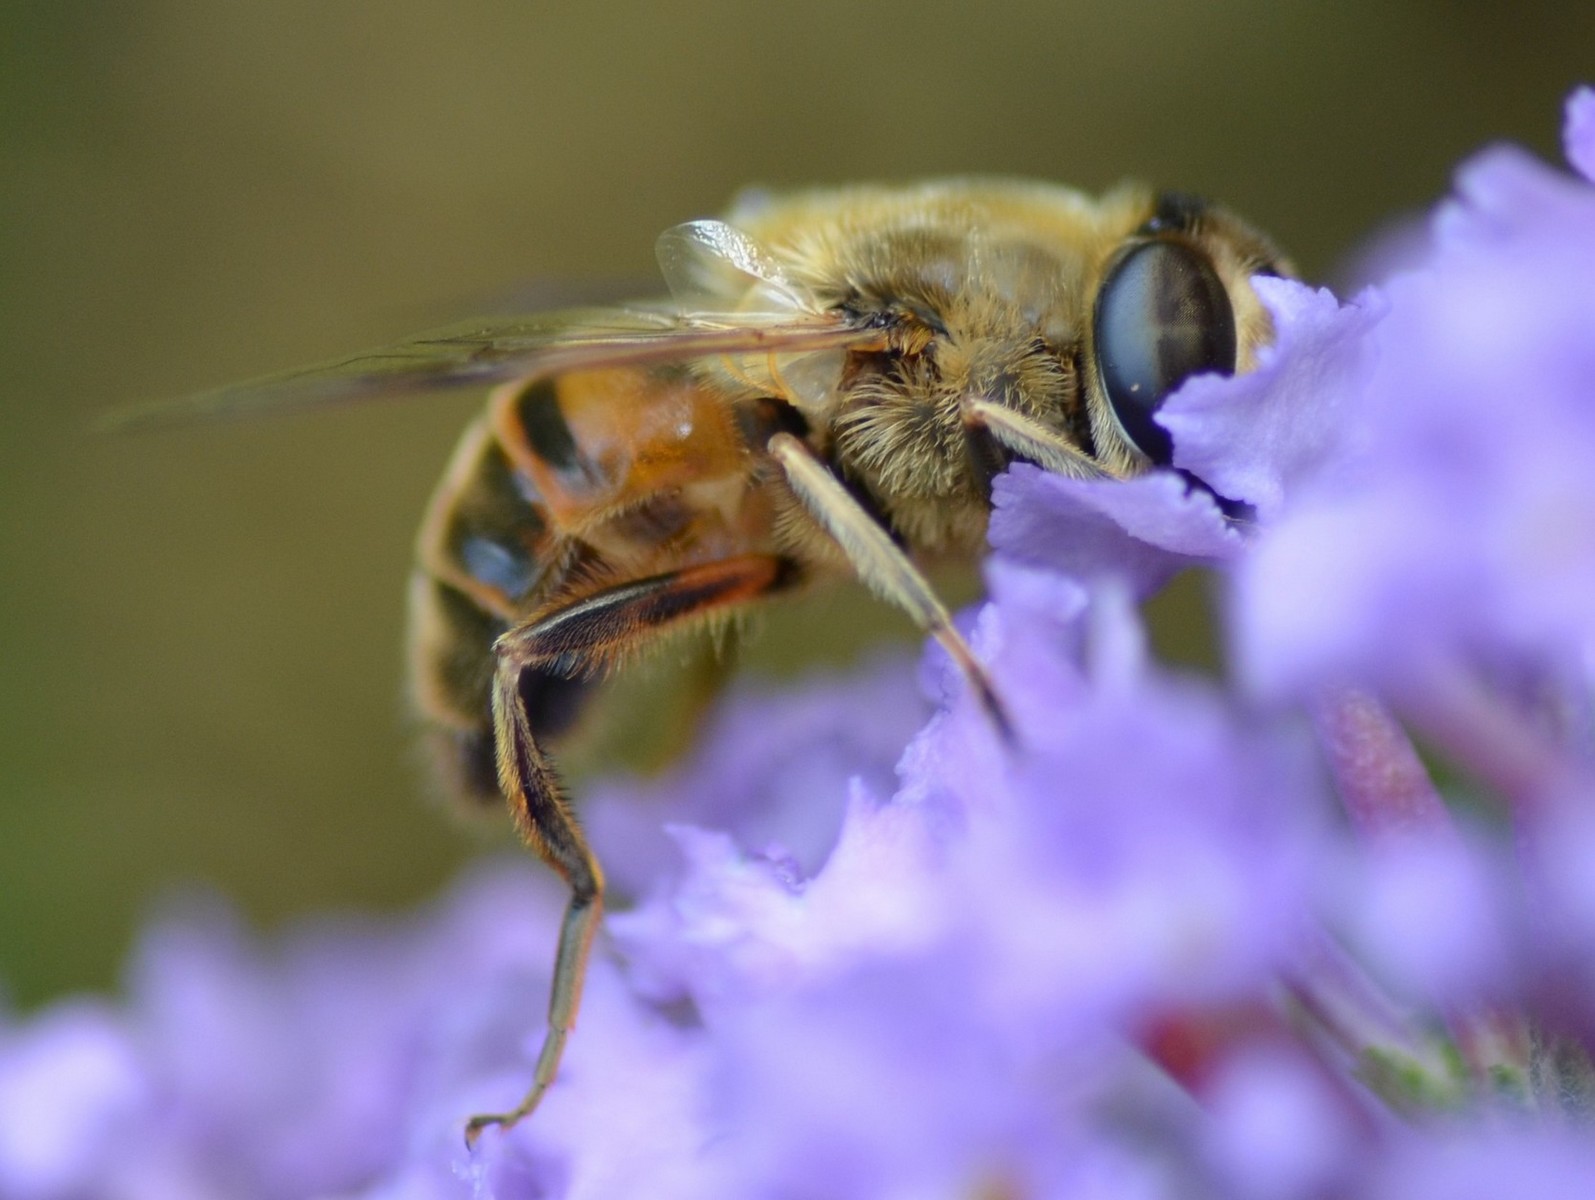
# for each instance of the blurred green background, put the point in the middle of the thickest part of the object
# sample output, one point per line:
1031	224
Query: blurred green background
199	632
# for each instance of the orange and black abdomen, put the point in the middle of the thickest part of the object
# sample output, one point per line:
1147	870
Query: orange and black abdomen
564	486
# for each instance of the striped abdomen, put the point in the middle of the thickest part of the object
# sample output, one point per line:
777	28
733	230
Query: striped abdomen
564	486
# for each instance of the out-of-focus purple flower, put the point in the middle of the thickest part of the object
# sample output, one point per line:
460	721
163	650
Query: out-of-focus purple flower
1134	952
1579	134
1484	1164
1467	529
773	772
1068	830
950	1001
69	1082
340	1062
1434	918
1135	830
1278	1129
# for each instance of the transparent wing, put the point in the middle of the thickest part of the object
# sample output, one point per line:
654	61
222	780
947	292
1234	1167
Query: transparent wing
483	352
715	270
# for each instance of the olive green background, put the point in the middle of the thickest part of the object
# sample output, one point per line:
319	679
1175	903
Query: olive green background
199	631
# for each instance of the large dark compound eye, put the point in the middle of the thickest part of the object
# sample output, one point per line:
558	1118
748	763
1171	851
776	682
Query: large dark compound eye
1162	315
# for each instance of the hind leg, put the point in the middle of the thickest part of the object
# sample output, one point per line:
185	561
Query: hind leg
578	639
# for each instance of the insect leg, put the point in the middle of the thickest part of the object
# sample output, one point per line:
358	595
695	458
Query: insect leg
881	562
1034	441
579	638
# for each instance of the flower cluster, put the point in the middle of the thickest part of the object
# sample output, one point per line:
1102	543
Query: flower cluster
1182	937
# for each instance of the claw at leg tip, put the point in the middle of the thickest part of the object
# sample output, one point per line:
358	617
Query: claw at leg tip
475	1126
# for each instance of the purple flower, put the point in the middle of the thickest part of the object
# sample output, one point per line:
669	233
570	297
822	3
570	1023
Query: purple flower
1180	937
1142	531
69	1082
1254	440
1485	1164
1579	135
773	772
1262	438
1461	524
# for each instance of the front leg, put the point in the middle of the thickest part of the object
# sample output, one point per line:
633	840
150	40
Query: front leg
582	637
881	564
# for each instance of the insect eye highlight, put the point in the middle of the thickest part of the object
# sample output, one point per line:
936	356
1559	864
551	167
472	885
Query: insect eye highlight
1162	315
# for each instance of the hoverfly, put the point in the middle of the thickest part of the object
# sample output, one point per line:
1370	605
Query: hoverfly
830	389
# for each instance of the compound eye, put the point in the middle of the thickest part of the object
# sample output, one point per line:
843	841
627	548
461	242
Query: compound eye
1162	315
